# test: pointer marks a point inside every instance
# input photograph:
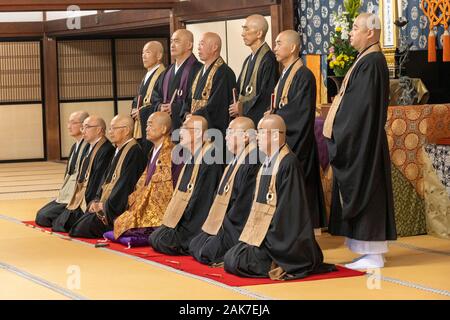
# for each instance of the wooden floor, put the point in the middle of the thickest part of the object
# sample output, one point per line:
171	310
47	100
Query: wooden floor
38	265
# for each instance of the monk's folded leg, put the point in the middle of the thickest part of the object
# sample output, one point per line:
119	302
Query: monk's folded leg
66	220
89	226
167	240
48	213
247	261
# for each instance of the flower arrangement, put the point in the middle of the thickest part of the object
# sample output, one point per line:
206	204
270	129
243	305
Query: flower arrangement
341	53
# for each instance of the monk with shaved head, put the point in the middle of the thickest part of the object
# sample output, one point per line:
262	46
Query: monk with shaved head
212	89
277	240
295	102
142	107
96	157
362	207
233	200
117	184
174	84
259	73
53	209
194	192
147	203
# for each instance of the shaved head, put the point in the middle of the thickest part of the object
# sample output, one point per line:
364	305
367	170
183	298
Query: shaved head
213	39
97	121
209	47
198	121
370	20
152	54
242	123
273	122
292	37
181	44
162	119
124	120
366	31
184	34
80	115
271	134
159	125
258	22
240	132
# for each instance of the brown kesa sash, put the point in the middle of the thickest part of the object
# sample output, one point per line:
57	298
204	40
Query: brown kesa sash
180	199
78	200
70	181
201	103
329	121
137	132
108	187
261	214
250	90
221	201
287	85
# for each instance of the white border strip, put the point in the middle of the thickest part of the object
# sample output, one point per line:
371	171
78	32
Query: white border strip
65	292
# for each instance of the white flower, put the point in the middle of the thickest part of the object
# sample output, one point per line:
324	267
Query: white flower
344	35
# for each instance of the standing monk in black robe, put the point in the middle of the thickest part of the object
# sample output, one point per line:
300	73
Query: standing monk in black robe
259	72
234	197
295	102
53	209
212	89
193	194
152	55
278	239
362	207
176	81
96	157
118	182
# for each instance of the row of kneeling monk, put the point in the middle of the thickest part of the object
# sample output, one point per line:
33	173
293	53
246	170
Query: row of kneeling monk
256	212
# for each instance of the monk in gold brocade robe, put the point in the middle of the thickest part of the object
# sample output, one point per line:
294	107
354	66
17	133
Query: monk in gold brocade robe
147	204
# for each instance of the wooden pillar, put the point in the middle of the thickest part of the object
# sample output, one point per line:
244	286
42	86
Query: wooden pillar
51	107
175	23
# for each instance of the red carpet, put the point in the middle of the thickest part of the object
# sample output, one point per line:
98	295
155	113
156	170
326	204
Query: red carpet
190	265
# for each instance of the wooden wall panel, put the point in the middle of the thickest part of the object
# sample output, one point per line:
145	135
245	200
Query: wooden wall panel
124	106
21	129
20	71
85	69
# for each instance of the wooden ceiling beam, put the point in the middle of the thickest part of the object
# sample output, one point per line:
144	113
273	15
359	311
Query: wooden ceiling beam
62	5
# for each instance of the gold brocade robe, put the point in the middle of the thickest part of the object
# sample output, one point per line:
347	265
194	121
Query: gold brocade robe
148	203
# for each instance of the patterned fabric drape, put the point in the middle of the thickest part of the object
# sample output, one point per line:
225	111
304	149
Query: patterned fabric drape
313	19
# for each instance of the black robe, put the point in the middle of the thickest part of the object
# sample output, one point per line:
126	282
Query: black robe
158	95
299	116
89	226
290	241
53	209
67	218
145	112
209	249
175	241
216	110
359	156
266	81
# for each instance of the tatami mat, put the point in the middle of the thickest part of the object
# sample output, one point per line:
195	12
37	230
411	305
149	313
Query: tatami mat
416	268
